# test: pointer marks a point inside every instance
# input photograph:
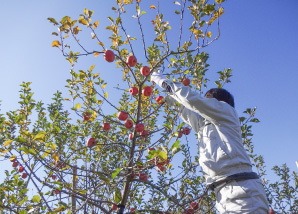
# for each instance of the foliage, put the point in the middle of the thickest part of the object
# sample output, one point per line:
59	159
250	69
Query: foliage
154	172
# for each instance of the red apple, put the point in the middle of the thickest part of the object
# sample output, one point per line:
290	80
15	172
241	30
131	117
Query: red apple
109	56
132	210
145	70
57	191
139	127
86	116
271	211
164	162
24	175
130	136
91	142
160	168
144	133
186	131
54	177
106	126
132	61
194	205
159	100
128	124
133	90
186	82
190	211
114	207
15	164
147	91
143	177
122	115
21	169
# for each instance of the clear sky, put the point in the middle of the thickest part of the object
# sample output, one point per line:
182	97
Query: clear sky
258	42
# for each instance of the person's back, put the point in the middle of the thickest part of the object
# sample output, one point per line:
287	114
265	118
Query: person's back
224	161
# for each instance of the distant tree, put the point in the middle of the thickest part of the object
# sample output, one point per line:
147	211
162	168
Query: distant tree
132	155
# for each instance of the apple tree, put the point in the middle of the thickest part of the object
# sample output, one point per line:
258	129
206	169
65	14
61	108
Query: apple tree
114	145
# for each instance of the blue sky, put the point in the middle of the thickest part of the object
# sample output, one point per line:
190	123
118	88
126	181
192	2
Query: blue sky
258	42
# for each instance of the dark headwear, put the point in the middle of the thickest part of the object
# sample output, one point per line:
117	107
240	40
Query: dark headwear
222	95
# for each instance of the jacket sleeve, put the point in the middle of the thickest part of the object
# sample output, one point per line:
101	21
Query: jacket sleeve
193	119
210	108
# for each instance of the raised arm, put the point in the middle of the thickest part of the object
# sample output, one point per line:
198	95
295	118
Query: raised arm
193	119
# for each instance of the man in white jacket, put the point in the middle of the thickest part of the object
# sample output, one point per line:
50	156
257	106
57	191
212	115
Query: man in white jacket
223	159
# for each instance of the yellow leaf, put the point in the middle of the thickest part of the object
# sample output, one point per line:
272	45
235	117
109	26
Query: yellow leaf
39	137
5	151
65	36
152	6
53	146
106	94
7	143
104	85
56	43
76	30
84	22
95	24
209	34
47	153
70	61
86	11
78	106
96	75
7	123
100	43
55	156
54	33
96	54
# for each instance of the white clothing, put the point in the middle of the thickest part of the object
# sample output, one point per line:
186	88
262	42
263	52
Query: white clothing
221	150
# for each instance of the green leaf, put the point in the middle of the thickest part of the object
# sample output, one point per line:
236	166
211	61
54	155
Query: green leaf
143	12
176	145
115	173
78	106
190	59
53	21
180	126
167	126
39	136
36	199
31	151
255	120
163	155
177	12
117	196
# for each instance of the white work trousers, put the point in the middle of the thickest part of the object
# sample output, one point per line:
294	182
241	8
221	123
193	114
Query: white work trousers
245	197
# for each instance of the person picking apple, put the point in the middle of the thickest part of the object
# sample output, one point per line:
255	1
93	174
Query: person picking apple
223	159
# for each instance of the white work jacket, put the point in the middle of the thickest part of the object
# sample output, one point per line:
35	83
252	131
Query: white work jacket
219	134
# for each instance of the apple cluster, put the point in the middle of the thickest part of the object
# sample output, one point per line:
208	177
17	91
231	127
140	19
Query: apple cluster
184	130
21	169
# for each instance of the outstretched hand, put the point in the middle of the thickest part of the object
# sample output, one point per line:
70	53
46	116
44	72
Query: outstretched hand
158	78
